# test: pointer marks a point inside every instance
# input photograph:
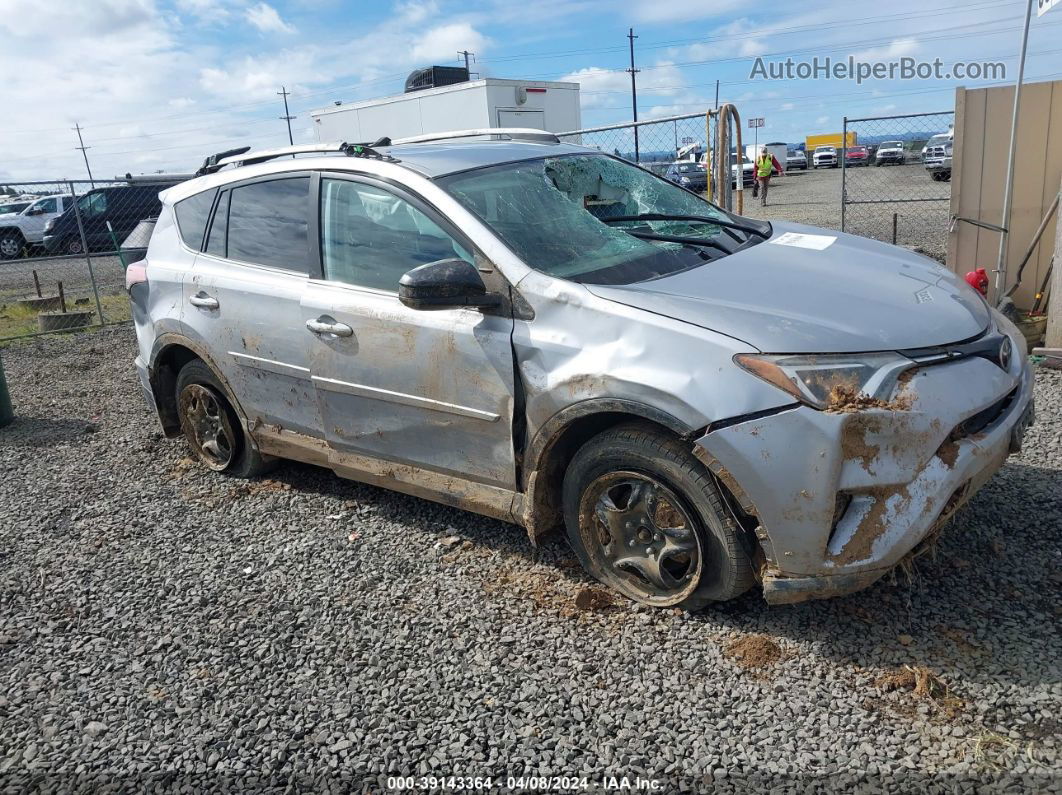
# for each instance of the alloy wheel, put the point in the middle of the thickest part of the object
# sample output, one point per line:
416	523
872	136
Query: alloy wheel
205	422
641	537
9	247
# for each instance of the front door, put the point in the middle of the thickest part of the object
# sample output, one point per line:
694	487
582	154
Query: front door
430	389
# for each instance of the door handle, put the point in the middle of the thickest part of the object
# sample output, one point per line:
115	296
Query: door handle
204	301
326	327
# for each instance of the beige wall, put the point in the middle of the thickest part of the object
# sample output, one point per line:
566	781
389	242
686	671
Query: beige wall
982	137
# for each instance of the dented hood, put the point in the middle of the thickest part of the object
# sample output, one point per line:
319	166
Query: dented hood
853	295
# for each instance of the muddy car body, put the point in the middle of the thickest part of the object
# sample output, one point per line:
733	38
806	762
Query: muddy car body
704	401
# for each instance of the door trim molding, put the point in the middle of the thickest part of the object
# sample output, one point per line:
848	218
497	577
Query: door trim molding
374	393
270	365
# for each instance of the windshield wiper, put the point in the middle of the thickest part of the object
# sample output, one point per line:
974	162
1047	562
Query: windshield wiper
692	241
698	218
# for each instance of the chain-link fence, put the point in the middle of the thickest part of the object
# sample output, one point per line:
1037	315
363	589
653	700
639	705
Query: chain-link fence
655	144
896	179
64	247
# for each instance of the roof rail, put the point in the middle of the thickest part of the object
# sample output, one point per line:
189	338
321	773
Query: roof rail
153	179
244	157
516	133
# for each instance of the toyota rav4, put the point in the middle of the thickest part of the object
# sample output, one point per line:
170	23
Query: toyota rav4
553	336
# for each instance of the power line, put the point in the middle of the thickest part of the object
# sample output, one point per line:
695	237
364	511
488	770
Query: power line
287	114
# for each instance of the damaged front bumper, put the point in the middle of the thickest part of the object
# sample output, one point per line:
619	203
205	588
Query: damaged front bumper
841	498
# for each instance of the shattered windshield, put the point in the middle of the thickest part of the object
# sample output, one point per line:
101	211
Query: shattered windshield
554	213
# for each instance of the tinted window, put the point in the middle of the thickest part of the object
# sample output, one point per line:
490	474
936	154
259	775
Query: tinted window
47	205
192	215
268	223
370	237
216	239
92	204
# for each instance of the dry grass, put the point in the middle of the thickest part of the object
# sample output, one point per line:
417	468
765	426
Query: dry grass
996	752
924	686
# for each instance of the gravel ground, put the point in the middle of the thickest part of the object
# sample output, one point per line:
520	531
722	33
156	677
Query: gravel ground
814	197
164	626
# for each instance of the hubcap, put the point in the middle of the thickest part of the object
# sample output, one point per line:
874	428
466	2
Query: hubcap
9	247
206	424
642	537
74	246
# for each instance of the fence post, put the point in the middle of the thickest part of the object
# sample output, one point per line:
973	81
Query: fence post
844	170
7	414
88	255
895	221
1054	301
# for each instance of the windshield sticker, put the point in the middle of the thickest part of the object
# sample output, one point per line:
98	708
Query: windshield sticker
816	242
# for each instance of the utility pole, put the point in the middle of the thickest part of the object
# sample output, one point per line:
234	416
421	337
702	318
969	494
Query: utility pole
717	95
1008	188
287	116
634	94
82	147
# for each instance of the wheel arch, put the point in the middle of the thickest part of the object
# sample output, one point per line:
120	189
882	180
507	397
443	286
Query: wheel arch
168	355
556	442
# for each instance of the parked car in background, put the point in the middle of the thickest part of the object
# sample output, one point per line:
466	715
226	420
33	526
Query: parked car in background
13	207
796	158
890	153
936	157
26	229
552	336
123	206
824	157
856	156
690	175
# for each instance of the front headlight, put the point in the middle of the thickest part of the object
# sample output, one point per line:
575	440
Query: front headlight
684	180
48	227
820	381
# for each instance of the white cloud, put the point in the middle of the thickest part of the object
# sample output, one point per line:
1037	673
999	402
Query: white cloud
599	87
264	17
444	42
896	49
787	106
822	120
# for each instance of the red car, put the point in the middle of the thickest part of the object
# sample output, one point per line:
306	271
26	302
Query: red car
856	156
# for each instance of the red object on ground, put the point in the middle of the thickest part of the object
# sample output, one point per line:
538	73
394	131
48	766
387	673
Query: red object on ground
978	279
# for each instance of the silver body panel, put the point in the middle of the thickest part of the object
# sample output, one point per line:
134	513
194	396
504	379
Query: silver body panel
454	405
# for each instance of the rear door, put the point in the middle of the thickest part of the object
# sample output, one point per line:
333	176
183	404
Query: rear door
431	389
243	299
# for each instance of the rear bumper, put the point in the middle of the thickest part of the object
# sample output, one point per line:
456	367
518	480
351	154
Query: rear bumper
841	498
144	378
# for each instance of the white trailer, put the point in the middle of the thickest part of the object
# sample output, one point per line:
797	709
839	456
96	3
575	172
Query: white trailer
490	102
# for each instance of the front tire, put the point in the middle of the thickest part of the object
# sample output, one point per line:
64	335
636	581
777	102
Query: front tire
645	517
211	426
72	245
11	244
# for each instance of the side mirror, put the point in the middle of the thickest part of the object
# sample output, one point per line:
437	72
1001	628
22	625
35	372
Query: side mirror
444	284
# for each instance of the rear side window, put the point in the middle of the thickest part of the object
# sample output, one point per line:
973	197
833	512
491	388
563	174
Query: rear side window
268	223
216	239
192	214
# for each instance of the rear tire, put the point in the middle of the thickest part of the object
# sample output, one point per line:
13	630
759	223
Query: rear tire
72	245
212	427
644	517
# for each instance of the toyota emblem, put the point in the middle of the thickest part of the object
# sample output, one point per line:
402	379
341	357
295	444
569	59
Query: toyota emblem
1006	350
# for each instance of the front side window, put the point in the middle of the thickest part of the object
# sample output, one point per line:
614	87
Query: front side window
268	223
192	214
370	237
552	213
46	206
92	204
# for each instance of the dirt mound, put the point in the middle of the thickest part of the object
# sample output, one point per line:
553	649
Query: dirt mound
844	399
594	599
754	651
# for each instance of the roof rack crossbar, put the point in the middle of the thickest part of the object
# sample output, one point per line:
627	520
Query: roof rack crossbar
516	133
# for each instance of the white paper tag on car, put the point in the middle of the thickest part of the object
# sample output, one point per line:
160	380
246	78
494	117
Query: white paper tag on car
817	242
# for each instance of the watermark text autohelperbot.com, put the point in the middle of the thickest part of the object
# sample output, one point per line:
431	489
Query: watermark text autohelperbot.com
850	68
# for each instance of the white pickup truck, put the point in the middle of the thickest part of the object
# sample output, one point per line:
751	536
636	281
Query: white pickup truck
18	231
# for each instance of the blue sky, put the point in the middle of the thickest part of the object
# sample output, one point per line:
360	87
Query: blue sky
157	84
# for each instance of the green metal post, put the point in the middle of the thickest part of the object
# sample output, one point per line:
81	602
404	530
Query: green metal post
7	414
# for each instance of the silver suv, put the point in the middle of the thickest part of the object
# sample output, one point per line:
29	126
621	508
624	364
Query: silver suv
553	336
